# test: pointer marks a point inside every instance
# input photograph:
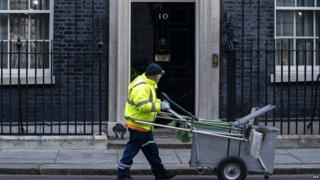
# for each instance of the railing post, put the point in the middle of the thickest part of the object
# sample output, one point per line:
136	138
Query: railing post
1	87
101	44
100	54
19	45
231	85
231	73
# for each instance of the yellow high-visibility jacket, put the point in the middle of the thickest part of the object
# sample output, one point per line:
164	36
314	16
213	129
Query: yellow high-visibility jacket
142	103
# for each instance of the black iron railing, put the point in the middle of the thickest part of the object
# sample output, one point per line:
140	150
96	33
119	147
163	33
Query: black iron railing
288	78
263	66
51	89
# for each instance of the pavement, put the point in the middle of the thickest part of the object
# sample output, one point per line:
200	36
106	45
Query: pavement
104	162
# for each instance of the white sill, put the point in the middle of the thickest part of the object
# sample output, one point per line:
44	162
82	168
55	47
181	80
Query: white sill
302	77
5	81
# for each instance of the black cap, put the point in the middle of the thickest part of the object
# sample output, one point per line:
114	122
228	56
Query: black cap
154	69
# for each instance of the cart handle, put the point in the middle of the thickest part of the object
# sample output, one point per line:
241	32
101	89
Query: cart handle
244	120
222	135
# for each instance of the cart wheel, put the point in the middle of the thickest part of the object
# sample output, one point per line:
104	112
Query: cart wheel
232	168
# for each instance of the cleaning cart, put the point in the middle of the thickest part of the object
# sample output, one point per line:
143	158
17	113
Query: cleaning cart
232	148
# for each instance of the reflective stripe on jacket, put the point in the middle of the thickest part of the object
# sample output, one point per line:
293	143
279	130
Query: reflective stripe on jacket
142	103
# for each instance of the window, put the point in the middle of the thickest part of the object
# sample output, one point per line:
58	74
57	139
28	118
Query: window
297	31
31	21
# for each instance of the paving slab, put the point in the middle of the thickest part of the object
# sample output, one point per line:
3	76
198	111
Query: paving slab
306	156
27	161
167	157
166	151
286	159
183	155
170	159
29	154
85	157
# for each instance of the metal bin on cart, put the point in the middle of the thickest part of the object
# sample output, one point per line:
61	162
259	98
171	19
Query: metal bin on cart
231	157
232	148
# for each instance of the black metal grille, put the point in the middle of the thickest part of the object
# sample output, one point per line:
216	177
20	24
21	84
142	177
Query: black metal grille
50	92
293	89
261	69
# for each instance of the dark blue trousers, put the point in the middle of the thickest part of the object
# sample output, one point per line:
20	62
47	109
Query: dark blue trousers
145	142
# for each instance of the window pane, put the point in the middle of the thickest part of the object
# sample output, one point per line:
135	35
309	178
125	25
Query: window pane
39	26
3	27
285	2
39	55
305	2
318	3
39	4
284	49
17	56
304	23
3	54
19	26
19	4
3	4
284	23
304	51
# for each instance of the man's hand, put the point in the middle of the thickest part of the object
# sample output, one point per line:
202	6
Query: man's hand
165	105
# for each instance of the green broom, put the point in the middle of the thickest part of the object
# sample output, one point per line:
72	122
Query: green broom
183	136
217	125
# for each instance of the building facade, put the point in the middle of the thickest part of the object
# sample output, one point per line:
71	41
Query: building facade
68	73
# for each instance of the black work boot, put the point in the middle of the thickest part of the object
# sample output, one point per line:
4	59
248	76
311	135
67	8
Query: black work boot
166	175
124	177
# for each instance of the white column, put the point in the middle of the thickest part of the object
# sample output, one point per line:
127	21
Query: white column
113	31
209	43
123	60
119	58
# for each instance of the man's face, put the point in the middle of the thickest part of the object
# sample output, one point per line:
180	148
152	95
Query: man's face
158	77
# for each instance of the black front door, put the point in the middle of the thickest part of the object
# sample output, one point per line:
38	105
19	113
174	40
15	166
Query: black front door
165	33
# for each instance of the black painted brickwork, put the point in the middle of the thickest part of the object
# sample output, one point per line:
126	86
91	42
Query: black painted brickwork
79	65
291	99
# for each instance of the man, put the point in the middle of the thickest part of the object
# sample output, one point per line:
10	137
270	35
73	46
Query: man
142	104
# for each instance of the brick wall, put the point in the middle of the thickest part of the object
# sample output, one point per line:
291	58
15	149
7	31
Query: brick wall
79	69
254	86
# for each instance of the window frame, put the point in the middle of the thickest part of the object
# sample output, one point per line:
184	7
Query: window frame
41	74
297	72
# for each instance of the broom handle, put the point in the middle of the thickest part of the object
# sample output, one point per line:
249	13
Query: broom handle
178	106
167	114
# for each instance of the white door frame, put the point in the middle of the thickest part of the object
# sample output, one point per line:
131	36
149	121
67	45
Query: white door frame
207	14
